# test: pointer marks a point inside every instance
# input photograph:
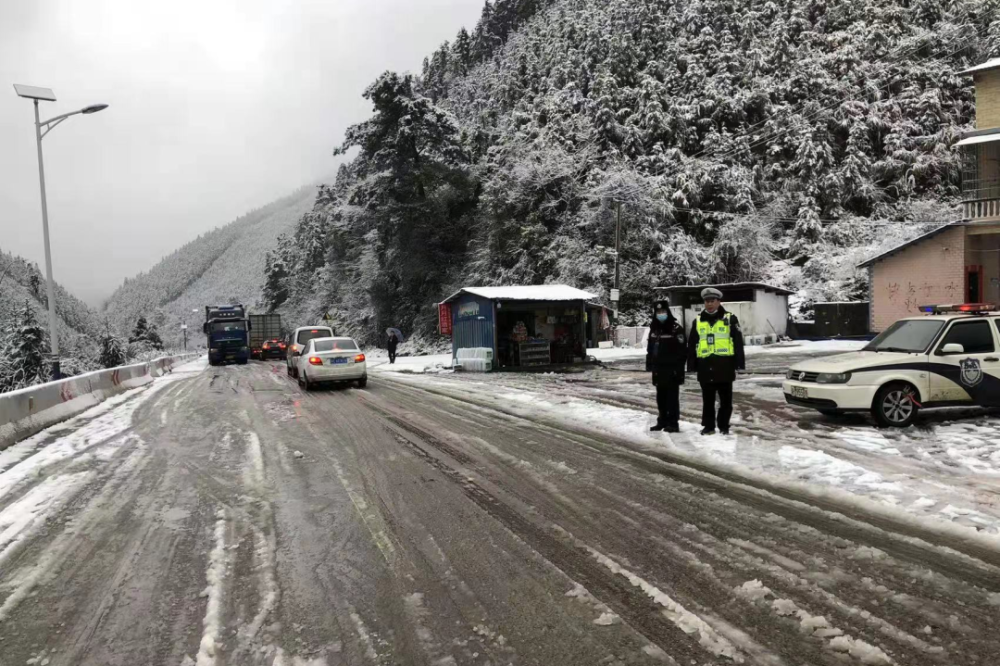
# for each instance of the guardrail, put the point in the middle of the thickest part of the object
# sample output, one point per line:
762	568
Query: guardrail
29	410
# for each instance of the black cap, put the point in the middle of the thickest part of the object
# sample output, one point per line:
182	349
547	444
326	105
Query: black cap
661	304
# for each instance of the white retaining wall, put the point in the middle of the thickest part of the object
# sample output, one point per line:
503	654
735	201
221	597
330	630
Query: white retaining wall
29	410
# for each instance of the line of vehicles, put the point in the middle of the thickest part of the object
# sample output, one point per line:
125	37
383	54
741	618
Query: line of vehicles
313	355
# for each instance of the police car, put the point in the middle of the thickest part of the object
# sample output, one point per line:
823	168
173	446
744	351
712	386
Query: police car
948	358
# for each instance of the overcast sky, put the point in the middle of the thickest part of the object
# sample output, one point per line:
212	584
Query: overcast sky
216	107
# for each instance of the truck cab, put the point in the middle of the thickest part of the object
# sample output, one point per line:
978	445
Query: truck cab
227	329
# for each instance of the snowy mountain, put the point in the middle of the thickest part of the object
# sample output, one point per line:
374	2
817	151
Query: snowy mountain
224	265
740	140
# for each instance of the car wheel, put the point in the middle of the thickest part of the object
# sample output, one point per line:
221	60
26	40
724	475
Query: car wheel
895	406
363	382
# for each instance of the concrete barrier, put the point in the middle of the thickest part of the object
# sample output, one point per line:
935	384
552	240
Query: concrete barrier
27	411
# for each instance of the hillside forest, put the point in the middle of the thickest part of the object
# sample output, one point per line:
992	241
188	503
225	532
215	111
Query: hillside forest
738	139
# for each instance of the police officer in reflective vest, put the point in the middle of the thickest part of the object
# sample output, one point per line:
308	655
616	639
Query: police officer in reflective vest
715	352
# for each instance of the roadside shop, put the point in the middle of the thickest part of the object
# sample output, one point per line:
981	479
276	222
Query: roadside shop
523	326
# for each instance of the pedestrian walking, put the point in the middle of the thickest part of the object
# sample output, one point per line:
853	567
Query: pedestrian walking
391	345
665	357
715	352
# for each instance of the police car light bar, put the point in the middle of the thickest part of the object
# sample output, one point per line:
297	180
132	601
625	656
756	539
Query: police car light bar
959	307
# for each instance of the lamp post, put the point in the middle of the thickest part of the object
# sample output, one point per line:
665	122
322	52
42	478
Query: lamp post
45	94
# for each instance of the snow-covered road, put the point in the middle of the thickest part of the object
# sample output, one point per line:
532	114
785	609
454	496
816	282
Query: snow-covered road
224	516
946	468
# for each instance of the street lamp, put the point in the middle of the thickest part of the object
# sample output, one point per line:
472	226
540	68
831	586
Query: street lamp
45	94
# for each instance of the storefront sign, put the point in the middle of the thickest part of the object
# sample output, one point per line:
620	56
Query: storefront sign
444	318
467	310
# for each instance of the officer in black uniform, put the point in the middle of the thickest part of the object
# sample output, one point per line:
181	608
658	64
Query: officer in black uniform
665	355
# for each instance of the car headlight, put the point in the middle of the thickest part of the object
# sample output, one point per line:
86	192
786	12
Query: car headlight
833	378
790	374
213	349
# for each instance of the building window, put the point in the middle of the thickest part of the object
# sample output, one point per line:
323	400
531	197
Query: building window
970	168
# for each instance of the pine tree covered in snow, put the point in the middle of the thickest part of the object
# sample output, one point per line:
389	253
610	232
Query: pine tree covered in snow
114	351
23	350
146	334
22	283
741	139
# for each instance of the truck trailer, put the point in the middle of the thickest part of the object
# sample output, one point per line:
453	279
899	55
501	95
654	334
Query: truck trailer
228	331
266	337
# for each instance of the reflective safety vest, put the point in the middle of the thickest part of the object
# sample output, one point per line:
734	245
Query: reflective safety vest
715	339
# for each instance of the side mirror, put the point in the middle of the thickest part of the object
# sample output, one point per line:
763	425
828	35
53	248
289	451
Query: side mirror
953	348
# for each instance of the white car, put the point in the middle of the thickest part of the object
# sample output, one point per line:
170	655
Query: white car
331	360
297	341
949	358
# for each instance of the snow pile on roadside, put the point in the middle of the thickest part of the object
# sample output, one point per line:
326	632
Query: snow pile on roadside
617	353
809	347
378	361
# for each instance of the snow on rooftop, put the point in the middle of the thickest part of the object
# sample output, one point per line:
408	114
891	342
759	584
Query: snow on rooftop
541	292
992	63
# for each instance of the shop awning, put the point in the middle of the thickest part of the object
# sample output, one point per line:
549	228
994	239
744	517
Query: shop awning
541	292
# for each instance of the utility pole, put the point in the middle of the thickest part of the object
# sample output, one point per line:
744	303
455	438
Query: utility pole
615	291
184	329
618	234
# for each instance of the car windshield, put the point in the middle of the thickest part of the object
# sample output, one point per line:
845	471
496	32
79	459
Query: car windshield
228	326
907	336
335	345
308	334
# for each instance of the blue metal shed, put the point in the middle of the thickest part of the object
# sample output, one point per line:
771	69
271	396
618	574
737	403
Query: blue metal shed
474	311
472	323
